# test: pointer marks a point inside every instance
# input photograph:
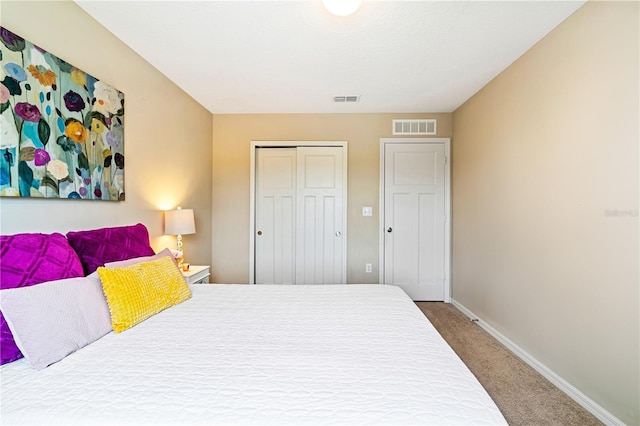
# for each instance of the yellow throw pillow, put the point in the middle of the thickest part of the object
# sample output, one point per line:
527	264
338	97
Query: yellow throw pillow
137	292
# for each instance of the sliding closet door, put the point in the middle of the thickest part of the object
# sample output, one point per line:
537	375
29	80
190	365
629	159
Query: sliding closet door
276	181
319	240
299	216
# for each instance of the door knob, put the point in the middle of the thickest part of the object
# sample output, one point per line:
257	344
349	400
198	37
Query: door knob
338	233
389	229
259	232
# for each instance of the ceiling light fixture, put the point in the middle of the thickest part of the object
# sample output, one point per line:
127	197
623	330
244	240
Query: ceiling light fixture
341	7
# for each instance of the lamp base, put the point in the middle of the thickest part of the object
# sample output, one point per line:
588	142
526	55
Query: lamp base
181	250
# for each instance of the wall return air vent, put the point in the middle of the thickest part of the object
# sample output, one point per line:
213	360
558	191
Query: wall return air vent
414	127
346	99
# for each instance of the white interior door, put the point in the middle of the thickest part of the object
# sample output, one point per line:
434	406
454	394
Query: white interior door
415	218
299	216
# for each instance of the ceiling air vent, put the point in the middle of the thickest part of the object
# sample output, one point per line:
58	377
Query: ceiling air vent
414	127
347	99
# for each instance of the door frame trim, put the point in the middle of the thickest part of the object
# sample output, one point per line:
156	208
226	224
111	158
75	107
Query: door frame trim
252	196
447	205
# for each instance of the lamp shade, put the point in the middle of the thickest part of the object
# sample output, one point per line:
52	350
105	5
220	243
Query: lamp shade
179	222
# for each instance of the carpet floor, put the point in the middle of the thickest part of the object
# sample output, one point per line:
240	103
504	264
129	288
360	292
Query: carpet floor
523	395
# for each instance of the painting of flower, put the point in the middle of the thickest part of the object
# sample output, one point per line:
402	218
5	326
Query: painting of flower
11	41
61	129
45	76
73	101
41	157
75	131
15	71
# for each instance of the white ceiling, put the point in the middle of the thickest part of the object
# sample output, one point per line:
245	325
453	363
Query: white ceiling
293	56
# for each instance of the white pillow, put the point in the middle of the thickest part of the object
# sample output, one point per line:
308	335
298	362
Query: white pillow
136	260
54	319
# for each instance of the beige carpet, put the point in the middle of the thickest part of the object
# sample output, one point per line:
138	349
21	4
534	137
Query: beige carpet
521	393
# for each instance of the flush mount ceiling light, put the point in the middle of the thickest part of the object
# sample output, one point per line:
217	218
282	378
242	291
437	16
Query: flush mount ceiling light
341	7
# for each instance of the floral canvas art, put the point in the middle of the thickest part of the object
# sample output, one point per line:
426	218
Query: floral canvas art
61	129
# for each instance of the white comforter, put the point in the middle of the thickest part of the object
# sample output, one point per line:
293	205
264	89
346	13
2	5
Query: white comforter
238	354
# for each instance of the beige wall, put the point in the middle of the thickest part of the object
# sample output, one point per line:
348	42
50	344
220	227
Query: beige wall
543	157
232	136
167	134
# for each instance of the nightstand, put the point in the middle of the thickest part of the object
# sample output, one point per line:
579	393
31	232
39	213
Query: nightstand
197	274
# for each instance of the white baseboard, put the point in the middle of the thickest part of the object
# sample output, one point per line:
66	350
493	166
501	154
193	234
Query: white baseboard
586	402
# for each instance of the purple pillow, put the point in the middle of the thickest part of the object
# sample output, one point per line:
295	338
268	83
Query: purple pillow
28	259
99	246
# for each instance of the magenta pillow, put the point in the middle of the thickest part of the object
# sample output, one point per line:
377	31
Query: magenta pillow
99	246
29	259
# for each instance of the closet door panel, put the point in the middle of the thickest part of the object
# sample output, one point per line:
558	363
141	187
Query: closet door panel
275	216
320	213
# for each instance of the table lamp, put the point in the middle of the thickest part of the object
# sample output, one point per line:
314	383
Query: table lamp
179	222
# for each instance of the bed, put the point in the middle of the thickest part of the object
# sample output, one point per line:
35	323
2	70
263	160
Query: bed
241	354
111	334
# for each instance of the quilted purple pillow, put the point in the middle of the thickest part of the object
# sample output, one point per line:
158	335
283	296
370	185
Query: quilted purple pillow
29	259
99	246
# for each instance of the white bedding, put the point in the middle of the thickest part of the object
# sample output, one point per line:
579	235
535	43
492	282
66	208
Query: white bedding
239	354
